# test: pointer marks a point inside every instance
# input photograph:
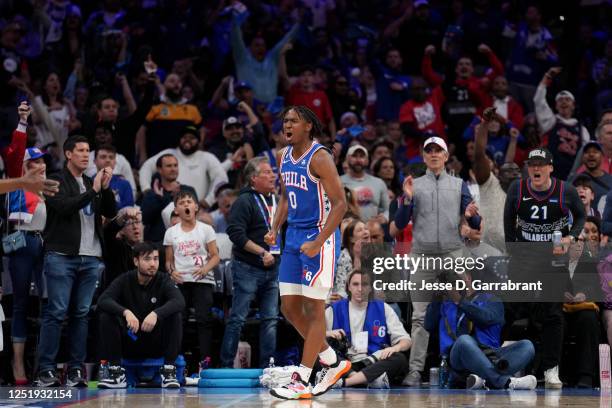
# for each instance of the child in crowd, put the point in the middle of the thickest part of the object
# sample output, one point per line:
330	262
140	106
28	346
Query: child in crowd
191	256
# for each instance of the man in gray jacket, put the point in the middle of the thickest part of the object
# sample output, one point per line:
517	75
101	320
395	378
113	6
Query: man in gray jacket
436	203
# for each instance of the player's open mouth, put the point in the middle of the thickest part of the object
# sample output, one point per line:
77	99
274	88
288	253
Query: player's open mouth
288	134
537	176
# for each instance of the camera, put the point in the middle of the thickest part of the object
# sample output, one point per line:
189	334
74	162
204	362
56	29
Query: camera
341	346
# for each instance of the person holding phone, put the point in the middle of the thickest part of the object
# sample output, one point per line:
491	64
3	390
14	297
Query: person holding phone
28	214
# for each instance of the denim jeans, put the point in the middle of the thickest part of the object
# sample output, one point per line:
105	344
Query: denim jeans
71	283
467	357
251	281
25	267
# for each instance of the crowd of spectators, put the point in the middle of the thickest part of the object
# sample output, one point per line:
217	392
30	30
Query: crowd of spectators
150	113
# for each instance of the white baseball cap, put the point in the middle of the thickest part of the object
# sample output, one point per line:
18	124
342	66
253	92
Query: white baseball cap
356	147
565	94
436	140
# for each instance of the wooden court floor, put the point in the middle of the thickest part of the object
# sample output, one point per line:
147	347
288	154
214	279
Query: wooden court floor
396	398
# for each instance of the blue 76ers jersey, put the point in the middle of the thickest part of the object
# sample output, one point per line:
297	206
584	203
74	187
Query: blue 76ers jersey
308	203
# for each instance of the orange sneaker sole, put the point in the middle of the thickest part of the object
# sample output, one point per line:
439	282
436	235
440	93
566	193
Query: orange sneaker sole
337	377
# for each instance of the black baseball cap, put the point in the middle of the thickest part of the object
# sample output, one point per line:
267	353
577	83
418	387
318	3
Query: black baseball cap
191	130
540	155
231	121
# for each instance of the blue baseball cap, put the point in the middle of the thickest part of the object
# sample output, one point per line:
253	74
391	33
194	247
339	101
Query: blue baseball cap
243	85
33	153
594	144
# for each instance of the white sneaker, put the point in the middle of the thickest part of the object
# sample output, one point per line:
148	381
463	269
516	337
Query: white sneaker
528	382
331	375
168	376
295	390
113	377
474	382
320	374
412	380
551	378
381	382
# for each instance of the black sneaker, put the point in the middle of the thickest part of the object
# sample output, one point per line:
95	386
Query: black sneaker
75	378
47	378
168	376
113	377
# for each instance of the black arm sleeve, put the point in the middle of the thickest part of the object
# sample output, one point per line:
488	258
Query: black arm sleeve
510	211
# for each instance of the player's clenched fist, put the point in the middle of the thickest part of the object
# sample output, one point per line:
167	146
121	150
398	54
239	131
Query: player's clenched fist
310	248
270	238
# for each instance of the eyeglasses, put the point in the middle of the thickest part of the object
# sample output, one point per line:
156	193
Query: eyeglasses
132	222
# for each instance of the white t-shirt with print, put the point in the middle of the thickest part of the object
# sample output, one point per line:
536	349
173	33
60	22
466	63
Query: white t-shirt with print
190	252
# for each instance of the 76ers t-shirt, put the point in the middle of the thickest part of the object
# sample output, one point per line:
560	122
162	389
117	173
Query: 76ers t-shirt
190	252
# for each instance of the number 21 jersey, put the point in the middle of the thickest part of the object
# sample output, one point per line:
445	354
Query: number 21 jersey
539	216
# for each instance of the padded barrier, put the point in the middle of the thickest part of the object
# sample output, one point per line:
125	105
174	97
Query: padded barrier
229	383
231	373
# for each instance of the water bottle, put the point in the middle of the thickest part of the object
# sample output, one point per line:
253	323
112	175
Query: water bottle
556	238
434	377
271	365
556	241
444	372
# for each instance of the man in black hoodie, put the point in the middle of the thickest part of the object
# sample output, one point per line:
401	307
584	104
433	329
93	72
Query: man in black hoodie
255	264
140	317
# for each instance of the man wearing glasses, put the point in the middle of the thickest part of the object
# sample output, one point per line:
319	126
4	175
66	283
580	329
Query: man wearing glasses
120	236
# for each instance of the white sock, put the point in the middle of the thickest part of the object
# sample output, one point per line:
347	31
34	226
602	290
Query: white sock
328	356
304	372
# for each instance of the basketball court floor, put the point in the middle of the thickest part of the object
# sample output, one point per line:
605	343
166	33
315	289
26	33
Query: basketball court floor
395	398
